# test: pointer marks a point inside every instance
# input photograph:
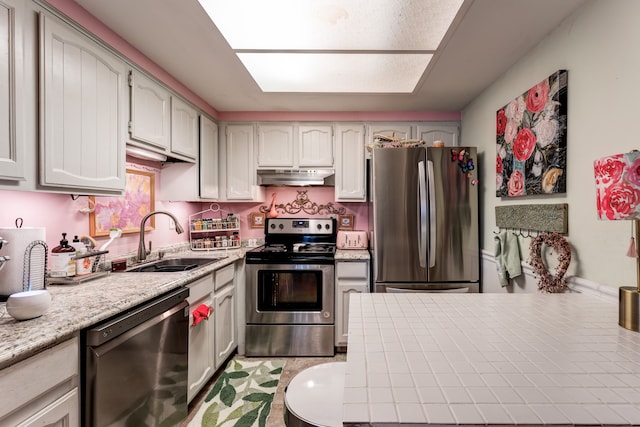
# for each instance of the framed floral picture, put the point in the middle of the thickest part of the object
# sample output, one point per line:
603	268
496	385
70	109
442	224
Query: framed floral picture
345	222
531	140
125	212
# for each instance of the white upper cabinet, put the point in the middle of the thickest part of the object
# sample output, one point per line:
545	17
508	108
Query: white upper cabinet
315	146
12	146
160	121
398	130
209	158
83	111
350	178
240	170
292	145
275	145
446	132
184	128
150	112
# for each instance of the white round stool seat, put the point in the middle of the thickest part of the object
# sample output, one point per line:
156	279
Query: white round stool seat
315	395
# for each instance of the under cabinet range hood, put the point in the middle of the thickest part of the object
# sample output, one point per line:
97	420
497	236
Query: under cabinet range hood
296	177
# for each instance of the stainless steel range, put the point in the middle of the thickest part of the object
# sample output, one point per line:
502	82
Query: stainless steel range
290	289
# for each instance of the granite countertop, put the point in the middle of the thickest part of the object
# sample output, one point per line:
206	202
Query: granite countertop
487	359
75	307
352	254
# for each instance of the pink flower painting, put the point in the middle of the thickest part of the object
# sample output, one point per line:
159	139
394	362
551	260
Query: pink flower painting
617	184
531	138
125	212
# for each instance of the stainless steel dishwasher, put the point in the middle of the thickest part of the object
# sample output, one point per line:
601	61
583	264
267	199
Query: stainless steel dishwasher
135	365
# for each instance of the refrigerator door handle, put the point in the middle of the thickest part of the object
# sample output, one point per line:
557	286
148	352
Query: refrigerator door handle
432	215
422	216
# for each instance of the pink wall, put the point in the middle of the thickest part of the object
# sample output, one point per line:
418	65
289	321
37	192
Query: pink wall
284	195
59	213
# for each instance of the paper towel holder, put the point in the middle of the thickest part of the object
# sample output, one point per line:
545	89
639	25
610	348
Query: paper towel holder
35	266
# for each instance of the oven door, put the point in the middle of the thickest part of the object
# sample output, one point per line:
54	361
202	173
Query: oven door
290	294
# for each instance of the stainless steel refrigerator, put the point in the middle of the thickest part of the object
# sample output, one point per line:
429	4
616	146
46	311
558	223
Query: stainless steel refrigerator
423	219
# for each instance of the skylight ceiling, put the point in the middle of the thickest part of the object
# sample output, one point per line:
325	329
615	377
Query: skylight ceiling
334	46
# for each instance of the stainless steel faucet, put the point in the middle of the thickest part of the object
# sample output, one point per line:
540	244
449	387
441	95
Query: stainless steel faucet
142	250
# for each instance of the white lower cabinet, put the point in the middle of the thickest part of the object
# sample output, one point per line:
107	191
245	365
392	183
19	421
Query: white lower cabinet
212	340
351	277
43	389
225	314
201	336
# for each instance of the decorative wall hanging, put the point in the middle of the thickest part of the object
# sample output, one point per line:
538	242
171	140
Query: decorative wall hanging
531	140
257	219
302	203
346	222
125	212
546	281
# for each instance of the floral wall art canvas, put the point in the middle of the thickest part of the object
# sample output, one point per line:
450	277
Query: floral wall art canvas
531	140
125	212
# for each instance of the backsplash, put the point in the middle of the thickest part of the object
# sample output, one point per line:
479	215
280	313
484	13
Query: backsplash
60	213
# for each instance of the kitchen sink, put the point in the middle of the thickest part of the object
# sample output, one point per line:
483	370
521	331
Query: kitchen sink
170	265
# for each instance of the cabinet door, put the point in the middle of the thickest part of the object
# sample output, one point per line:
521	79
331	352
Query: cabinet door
402	131
445	132
345	289
83	104
350	178
150	112
201	348
225	324
275	146
12	146
315	146
208	159
240	174
351	277
184	128
63	412
201	336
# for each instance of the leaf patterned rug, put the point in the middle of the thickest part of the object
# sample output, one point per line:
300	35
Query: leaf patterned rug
241	396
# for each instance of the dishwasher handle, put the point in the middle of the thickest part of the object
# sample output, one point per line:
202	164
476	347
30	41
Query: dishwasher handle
109	330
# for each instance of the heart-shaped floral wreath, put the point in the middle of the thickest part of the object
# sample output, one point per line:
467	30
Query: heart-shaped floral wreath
546	281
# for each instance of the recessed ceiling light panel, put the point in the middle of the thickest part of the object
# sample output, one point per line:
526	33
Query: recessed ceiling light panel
332	24
336	73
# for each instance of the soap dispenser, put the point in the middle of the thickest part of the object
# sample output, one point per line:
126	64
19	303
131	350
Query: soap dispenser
62	259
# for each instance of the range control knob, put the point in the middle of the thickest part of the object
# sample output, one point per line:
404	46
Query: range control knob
327	226
319	226
273	226
281	226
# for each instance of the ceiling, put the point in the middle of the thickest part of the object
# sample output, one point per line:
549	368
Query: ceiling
485	40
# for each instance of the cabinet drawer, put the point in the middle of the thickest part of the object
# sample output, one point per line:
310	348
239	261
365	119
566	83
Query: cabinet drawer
30	378
199	288
223	276
352	269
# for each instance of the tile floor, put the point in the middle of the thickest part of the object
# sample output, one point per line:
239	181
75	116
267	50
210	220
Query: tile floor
292	366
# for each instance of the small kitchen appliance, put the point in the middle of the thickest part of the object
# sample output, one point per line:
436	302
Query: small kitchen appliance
290	289
352	240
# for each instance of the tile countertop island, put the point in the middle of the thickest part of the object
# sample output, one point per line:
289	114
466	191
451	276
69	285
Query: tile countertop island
78	306
489	359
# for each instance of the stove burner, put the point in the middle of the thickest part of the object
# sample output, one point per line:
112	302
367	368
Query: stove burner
275	247
311	247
